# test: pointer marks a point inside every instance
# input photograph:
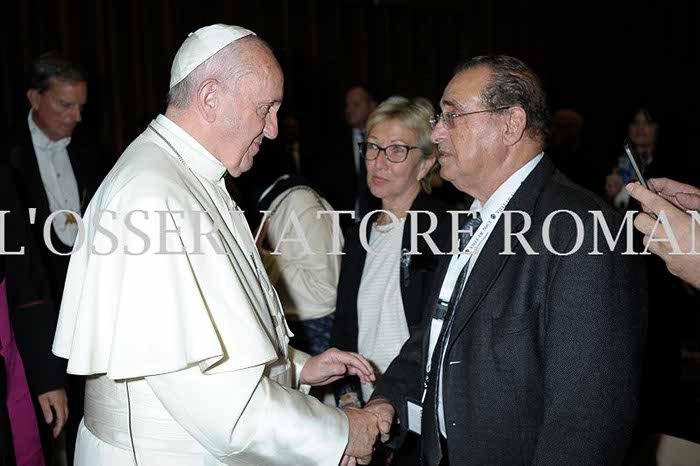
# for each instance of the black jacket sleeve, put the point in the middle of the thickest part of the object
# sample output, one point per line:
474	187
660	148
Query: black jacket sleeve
403	380
33	315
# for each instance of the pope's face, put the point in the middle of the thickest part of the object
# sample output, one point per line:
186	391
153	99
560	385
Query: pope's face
249	115
57	110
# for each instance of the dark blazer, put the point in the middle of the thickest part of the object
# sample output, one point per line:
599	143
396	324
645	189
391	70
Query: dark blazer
415	274
543	361
89	166
35	279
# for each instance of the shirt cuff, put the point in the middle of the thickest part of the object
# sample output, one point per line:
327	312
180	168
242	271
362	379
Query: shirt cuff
299	359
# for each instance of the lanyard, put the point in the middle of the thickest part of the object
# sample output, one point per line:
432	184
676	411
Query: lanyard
451	280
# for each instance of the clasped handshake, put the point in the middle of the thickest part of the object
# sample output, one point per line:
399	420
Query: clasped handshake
367	425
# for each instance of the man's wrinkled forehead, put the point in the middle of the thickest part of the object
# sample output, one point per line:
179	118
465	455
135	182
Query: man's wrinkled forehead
464	89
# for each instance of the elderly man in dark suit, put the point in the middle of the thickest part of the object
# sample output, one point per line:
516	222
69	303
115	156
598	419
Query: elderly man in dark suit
46	170
533	352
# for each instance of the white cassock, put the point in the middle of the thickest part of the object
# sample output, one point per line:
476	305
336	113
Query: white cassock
183	339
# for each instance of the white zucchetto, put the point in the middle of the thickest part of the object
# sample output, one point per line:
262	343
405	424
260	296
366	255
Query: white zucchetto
202	45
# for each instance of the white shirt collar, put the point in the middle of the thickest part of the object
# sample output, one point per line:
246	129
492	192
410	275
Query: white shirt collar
192	152
507	189
41	141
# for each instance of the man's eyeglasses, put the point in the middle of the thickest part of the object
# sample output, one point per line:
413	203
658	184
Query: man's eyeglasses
449	117
395	153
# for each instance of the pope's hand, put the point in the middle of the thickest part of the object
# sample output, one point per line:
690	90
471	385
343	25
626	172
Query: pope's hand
385	412
333	364
363	434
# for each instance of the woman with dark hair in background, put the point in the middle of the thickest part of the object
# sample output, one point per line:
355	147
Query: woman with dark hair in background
642	133
648	136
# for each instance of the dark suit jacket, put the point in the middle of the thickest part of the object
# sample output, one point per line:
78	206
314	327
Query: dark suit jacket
543	362
35	279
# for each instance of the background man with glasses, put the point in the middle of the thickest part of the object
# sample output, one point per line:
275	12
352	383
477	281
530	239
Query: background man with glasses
533	359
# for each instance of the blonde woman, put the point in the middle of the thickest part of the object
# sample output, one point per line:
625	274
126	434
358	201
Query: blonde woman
381	287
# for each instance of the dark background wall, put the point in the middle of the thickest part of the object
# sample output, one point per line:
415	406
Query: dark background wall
589	57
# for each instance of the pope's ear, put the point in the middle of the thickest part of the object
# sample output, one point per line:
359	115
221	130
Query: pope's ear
209	99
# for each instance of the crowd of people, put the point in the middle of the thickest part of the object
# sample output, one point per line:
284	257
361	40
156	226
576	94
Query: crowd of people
180	306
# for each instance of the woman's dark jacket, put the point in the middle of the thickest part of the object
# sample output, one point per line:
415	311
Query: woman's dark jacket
416	271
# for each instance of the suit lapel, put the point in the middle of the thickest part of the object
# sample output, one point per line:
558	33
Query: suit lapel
24	163
490	262
482	277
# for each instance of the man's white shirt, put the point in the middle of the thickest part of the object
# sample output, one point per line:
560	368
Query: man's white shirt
59	181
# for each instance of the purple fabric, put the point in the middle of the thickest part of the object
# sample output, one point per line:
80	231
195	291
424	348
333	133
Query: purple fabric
25	433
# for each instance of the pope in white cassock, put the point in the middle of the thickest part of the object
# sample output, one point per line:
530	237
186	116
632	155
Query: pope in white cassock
167	308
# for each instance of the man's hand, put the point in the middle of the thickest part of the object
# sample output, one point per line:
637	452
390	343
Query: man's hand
683	196
348	461
684	265
333	364
385	413
363	435
59	401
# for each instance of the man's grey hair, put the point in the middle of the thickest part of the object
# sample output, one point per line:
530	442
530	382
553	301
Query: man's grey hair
229	65
513	83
